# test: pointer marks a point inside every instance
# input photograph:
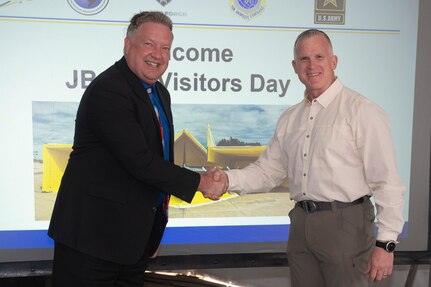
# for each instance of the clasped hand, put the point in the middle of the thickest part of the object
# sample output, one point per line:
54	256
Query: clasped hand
214	183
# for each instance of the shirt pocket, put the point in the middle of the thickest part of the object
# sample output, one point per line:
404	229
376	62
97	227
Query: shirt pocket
334	146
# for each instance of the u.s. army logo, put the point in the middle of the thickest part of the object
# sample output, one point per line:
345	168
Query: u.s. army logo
329	12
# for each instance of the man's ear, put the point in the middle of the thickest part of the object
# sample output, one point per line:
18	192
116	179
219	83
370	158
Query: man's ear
126	45
334	62
294	66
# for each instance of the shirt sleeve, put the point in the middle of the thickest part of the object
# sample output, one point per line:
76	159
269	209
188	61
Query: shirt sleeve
375	145
266	173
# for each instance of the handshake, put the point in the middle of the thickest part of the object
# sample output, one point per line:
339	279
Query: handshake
214	183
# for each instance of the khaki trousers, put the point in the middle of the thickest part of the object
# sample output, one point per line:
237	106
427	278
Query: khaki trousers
331	248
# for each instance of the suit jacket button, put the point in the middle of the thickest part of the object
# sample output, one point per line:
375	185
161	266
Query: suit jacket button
154	209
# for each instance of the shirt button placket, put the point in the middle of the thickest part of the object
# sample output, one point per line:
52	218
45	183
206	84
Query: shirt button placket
306	148
314	108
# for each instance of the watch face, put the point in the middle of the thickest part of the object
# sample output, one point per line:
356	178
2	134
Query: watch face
390	246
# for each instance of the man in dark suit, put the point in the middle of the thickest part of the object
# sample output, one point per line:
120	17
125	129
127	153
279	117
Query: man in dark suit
111	209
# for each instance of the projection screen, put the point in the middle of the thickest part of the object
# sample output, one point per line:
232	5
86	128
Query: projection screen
230	77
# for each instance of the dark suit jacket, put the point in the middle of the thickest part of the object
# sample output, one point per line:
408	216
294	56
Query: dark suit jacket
107	203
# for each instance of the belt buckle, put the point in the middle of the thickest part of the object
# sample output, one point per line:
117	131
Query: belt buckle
309	206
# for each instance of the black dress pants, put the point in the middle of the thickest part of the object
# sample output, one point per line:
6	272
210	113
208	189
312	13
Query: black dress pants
72	268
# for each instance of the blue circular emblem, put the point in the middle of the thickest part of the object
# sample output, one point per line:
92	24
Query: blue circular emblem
86	4
248	4
247	9
88	7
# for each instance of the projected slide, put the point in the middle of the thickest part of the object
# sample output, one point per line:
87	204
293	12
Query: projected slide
230	77
195	148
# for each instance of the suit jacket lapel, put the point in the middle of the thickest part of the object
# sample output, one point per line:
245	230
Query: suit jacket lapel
142	95
137	87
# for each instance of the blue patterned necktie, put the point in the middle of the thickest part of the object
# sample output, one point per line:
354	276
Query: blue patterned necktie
163	198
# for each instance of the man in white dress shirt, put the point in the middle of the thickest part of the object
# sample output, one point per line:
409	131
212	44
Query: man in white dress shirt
335	147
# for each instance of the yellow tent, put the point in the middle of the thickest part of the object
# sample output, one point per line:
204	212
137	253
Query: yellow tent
232	157
189	151
55	157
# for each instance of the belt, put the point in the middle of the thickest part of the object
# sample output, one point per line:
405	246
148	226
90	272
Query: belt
310	206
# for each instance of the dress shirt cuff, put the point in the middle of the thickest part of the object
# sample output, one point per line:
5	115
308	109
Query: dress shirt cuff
234	182
387	236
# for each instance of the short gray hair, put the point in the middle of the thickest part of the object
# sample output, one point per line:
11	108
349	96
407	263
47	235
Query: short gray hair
308	34
145	17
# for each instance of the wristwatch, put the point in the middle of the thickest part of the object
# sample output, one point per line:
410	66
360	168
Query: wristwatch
389	246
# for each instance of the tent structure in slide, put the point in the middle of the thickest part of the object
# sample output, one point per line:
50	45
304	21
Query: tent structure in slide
189	153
